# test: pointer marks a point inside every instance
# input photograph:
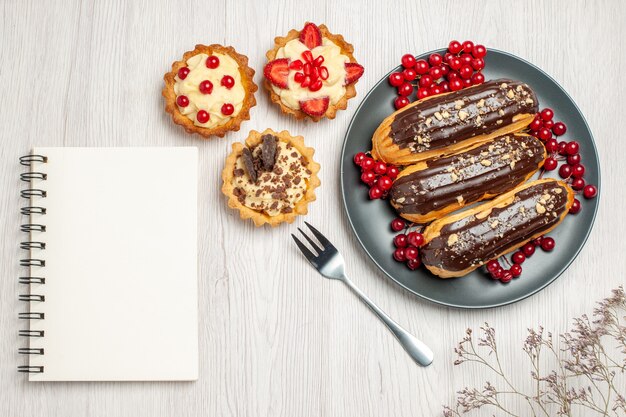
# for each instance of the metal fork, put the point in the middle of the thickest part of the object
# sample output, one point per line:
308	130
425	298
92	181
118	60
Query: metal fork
330	264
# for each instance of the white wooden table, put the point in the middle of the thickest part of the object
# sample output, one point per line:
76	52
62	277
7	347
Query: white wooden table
275	338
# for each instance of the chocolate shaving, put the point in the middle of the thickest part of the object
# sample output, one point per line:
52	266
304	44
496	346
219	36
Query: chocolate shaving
268	152
248	163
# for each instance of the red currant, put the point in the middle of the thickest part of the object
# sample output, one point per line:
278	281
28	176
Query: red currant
479	51
453	75
578	171
421	67
445	85
408	61
426	81
375	193
454	47
572	148
183	73
565	171
400	241
559	128
562	146
537	241
545	133
467	83
368	177
392	171
400	102
468	46
367	164
227	81
202	116
399	255
455	63
466	72
573	159
478	64
536	124
528	249
550	164
385	183
413	264
547	114
548	124
415	239
436	89
411	252
206	87
578	184
552	145
492	265
518	257
478	78
396	79
575	207
547	244
397	225
497	273
466	59
227	109
516	270
422	93
444	69
590	191
182	101
456	85
409	74
358	158
405	89
435	72
212	62
435	59
507	276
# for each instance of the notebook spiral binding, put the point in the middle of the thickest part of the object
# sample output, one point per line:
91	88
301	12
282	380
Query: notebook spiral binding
30	194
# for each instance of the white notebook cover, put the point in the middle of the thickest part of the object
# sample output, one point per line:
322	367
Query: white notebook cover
121	265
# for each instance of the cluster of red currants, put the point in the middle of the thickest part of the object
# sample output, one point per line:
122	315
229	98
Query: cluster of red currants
496	270
459	67
407	244
377	175
546	129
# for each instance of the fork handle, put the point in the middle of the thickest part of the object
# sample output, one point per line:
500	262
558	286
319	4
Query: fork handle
416	349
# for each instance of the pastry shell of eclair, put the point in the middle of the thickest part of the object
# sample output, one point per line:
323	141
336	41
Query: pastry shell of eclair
456	205
482	211
384	148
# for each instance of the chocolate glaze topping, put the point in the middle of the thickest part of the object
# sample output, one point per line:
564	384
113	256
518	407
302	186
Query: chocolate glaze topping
447	119
472	241
495	167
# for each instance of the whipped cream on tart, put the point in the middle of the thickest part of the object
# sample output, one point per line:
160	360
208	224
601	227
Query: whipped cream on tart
271	178
311	73
211	91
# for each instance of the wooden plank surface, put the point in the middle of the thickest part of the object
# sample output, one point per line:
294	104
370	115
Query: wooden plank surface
275	338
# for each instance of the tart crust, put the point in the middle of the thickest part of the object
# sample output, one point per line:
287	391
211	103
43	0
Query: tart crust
234	123
261	218
346	49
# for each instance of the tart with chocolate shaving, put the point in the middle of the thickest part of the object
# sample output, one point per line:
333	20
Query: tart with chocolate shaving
271	178
210	91
311	73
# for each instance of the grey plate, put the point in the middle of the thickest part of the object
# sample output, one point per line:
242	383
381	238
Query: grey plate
370	219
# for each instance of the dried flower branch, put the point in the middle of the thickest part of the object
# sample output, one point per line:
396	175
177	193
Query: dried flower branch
592	355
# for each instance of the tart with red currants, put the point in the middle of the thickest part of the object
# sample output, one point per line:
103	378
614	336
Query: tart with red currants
271	178
210	91
311	73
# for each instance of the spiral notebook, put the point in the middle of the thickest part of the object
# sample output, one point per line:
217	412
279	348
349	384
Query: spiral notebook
109	270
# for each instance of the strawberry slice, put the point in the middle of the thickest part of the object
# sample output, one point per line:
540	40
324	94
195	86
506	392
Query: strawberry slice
311	35
353	72
277	72
315	106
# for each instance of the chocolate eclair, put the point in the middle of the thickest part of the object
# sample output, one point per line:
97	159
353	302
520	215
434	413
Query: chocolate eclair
447	123
459	243
428	190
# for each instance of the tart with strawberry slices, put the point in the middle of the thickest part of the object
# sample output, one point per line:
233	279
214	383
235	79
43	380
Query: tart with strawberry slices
271	178
311	73
210	91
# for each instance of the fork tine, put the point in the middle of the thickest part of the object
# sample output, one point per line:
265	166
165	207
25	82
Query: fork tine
305	251
315	246
322	239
